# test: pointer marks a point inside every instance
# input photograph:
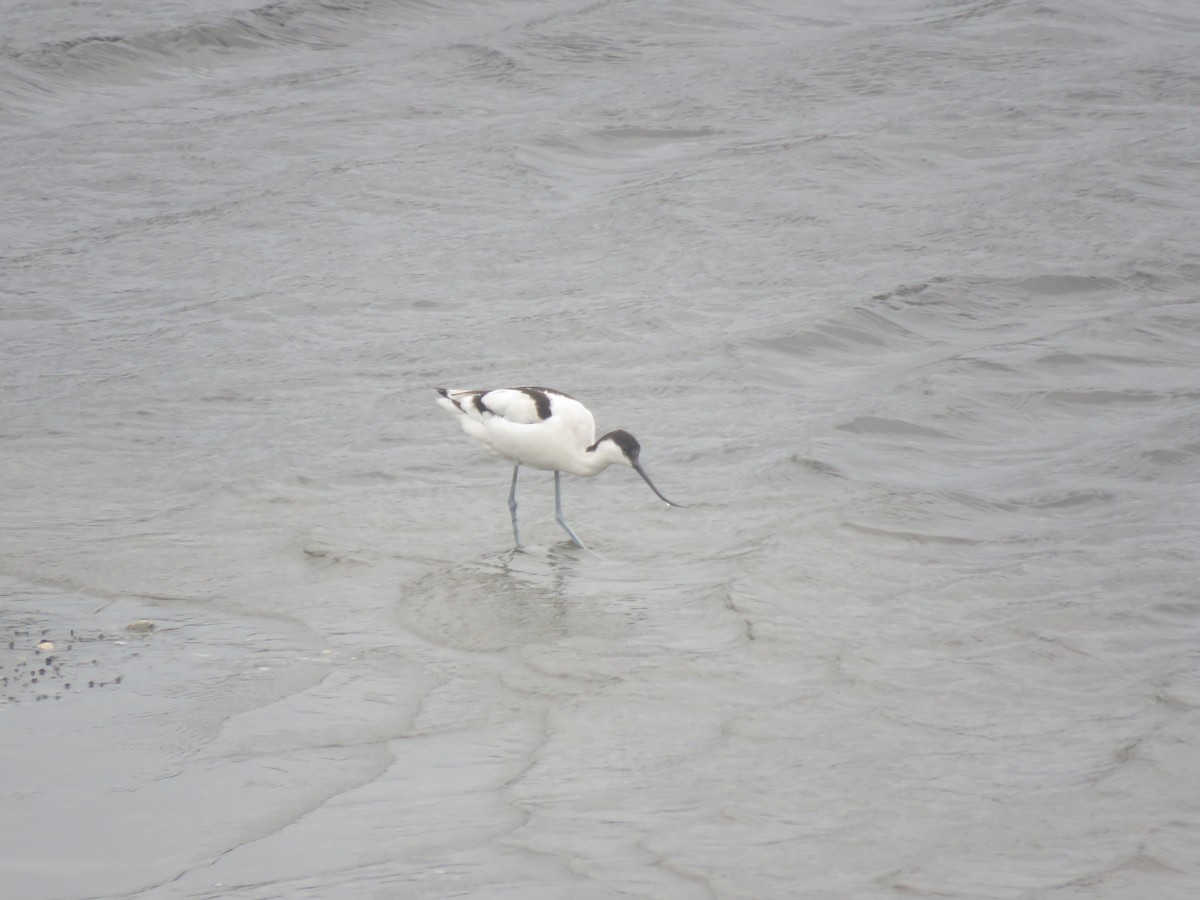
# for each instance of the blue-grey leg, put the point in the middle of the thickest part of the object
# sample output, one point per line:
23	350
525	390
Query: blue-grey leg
512	505
558	512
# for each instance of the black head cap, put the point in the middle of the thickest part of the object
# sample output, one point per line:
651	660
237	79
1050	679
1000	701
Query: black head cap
626	441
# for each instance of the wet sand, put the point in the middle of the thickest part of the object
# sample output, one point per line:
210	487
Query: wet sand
113	768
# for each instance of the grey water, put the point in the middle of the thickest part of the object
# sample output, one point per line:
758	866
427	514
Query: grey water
901	298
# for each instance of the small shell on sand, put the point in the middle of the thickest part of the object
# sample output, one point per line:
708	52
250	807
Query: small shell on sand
46	646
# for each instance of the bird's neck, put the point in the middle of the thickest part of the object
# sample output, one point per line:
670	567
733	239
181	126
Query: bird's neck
589	462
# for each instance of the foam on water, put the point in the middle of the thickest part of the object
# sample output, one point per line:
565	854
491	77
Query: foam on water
900	300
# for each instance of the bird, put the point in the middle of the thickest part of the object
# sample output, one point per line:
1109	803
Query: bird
544	429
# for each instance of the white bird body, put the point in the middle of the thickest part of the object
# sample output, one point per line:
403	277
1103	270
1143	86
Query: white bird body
544	429
510	425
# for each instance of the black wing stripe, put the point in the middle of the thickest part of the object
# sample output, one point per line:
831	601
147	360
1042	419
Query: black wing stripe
541	399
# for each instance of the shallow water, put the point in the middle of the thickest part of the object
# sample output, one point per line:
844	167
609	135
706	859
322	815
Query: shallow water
901	301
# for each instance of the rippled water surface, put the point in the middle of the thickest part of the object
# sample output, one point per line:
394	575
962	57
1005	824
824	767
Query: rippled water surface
901	299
